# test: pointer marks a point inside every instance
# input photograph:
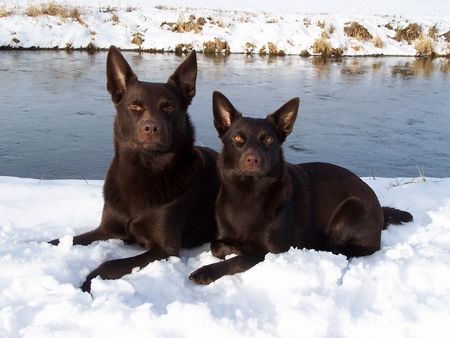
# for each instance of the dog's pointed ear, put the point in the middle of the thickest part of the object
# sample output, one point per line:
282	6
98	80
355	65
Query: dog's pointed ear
224	113
184	77
118	73
284	118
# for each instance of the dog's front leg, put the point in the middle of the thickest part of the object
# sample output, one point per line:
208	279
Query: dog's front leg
117	268
209	273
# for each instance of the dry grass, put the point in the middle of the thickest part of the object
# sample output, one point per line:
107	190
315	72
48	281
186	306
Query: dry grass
410	33
446	36
320	24
183	48
115	18
249	48
54	9
331	29
307	22
356	48
215	47
433	32
424	46
323	47
271	50
137	39
193	25
304	53
357	31
5	11
378	42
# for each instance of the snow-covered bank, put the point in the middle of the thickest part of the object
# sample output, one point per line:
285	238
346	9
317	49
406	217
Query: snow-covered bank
401	291
266	27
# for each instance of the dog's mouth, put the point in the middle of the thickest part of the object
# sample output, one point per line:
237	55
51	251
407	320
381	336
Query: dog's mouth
150	146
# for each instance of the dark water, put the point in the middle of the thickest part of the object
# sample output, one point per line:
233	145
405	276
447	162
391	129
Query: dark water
375	116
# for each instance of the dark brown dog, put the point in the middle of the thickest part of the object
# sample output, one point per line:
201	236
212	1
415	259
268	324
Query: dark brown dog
268	205
160	190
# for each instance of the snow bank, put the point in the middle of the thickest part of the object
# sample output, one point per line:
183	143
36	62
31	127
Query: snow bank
287	27
401	291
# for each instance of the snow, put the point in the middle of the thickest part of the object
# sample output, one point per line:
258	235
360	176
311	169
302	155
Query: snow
403	290
292	25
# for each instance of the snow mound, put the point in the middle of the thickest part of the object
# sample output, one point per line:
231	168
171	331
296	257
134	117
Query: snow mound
403	290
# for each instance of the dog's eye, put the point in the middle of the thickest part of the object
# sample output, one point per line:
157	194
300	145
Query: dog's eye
168	109
238	139
135	107
268	140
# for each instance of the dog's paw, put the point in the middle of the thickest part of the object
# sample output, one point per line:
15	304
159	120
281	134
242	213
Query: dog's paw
86	286
204	276
54	242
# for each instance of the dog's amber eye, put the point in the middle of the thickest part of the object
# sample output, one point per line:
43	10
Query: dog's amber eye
238	139
268	140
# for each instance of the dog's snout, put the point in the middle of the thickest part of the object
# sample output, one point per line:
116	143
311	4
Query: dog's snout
252	163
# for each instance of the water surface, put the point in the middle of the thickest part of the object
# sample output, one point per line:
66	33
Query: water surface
375	116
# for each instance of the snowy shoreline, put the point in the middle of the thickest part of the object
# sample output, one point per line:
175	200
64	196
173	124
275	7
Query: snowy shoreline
179	26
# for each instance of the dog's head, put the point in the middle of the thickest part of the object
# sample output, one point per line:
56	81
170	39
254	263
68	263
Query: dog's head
151	117
252	147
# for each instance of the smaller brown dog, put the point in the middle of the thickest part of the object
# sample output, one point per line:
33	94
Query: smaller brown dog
268	205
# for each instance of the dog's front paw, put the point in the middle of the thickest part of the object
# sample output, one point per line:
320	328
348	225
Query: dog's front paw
205	275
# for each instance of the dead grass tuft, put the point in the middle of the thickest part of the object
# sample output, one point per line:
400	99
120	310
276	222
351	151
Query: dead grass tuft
424	46
378	42
216	47
323	47
357	31
331	29
249	48
115	18
320	24
5	11
137	39
433	32
307	22
304	53
192	25
446	36
54	9
271	50
183	48
410	33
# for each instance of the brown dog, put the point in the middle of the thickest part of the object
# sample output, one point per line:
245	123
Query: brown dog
268	205
160	189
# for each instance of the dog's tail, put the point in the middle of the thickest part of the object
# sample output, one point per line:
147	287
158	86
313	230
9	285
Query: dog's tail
395	216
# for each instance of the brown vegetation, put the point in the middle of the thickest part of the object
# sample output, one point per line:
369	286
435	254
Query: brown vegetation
433	32
410	33
5	11
137	39
446	36
424	46
192	25
183	48
271	50
378	42
54	9
357	31
249	48
323	47
304	53
215	47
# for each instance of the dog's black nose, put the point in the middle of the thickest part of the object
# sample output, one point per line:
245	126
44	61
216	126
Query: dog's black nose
252	159
150	127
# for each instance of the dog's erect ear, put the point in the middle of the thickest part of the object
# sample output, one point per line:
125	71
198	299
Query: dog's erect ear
284	118
118	73
184	77
224	113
